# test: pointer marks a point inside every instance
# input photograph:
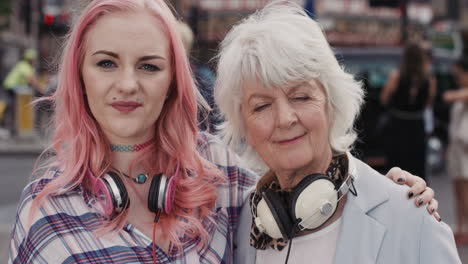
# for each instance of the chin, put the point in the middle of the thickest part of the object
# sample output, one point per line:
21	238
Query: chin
292	163
127	132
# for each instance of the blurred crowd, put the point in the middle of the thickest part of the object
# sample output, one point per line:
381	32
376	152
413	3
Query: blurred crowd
408	97
406	126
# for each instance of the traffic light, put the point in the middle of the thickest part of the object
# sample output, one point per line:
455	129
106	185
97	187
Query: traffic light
385	3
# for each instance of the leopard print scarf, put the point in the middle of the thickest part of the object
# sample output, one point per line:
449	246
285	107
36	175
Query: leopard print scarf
337	171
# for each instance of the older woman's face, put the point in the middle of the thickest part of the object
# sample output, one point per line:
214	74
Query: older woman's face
127	73
288	127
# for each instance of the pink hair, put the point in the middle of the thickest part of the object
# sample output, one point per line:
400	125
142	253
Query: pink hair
80	145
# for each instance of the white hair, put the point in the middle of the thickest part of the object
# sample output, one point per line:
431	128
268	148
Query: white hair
278	46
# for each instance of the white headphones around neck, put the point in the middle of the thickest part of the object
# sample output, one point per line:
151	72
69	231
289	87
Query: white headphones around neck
307	207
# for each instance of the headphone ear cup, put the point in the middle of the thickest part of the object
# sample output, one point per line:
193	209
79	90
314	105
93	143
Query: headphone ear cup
299	188
169	196
103	196
314	201
110	192
122	192
154	193
161	194
276	217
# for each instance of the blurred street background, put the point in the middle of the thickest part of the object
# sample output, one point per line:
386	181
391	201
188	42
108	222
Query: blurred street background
368	37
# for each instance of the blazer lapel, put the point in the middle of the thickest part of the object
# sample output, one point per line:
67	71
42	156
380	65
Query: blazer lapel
360	238
361	235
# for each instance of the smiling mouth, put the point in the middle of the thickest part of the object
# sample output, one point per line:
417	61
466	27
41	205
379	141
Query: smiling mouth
291	140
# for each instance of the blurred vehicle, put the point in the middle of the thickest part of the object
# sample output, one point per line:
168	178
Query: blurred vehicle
372	66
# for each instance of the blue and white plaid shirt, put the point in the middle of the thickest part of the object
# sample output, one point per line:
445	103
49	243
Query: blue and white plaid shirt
63	230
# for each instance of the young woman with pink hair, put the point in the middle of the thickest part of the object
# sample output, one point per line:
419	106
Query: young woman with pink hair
125	147
131	180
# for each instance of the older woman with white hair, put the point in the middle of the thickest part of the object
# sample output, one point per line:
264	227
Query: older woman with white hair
291	106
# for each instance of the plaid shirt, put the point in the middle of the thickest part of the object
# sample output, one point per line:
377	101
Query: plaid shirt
62	231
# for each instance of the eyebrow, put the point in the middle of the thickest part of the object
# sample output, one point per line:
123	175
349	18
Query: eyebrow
290	90
300	85
259	96
110	53
115	55
151	57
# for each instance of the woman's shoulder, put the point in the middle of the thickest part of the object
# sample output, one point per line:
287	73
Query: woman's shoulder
213	149
240	180
376	192
36	186
206	140
40	227
387	205
386	201
53	208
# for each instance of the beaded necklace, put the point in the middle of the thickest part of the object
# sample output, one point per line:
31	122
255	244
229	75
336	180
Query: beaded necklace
130	148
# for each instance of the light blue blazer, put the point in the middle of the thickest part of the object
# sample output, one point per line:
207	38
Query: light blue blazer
380	225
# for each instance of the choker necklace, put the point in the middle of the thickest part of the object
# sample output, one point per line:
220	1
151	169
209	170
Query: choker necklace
130	148
140	178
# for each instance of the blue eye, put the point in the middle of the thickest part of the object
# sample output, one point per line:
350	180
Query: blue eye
150	68
106	64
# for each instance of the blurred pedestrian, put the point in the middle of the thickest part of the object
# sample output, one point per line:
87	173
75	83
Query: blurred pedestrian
457	152
408	92
21	77
205	78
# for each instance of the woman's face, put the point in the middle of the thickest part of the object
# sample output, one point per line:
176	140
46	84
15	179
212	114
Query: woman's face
288	127
127	72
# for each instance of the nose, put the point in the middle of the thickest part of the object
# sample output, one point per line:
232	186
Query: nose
128	82
286	115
